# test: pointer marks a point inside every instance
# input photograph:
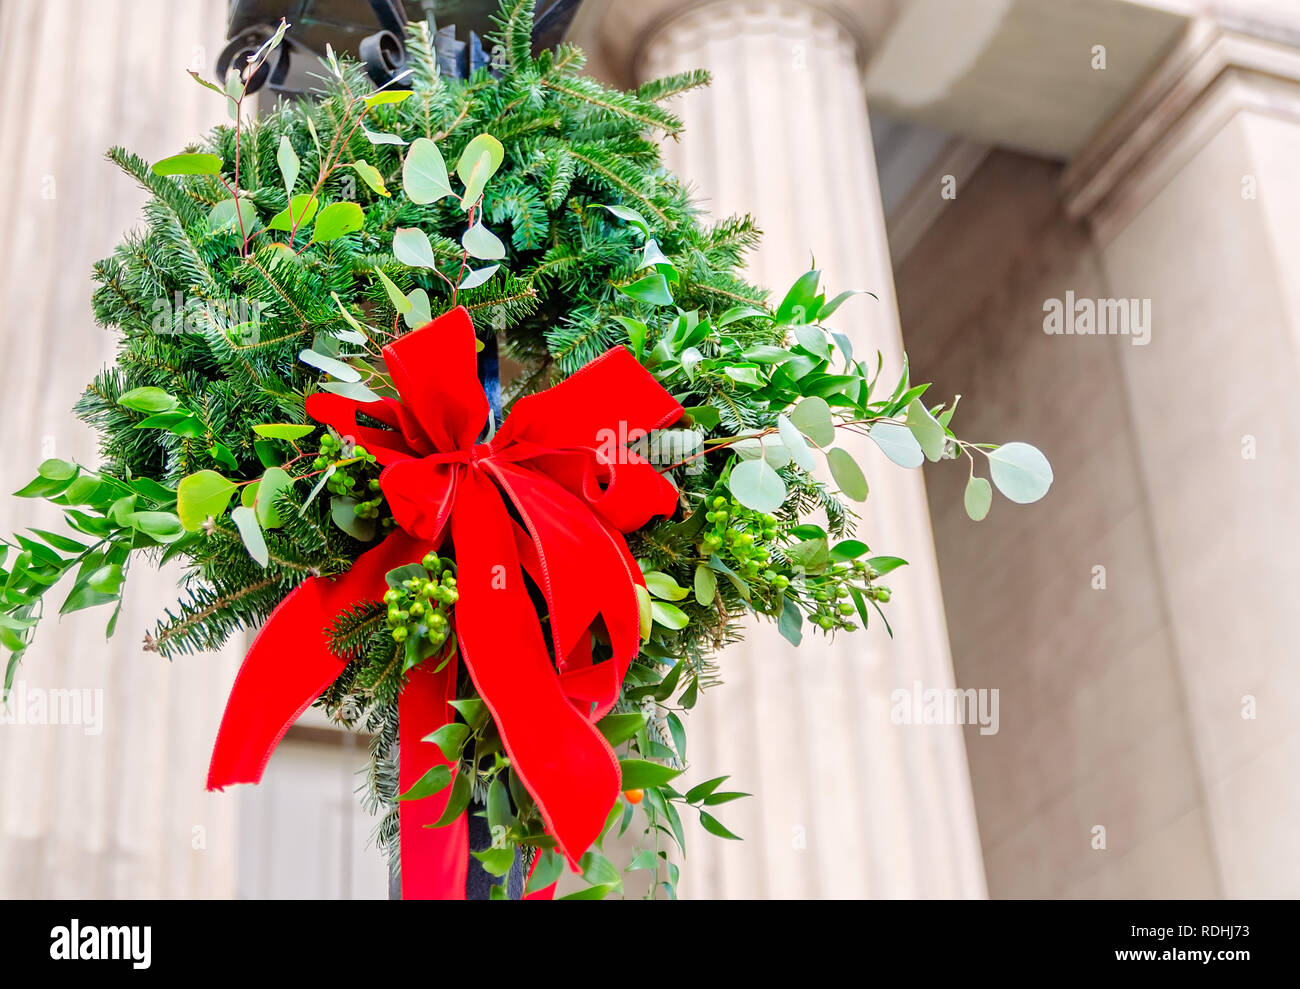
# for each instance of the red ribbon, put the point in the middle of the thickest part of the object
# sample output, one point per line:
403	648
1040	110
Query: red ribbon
561	461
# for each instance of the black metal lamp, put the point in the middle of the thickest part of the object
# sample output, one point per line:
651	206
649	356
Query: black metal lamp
372	30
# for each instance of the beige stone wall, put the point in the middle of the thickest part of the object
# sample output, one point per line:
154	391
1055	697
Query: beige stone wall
1095	724
119	811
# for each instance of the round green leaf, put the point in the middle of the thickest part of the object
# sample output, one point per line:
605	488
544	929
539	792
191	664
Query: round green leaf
424	173
978	498
411	246
273	482
757	486
471	159
337	219
706	585
370	176
848	475
200	495
794	442
482	243
476	278
297	214
229	214
421	309
898	444
812	417
1021	472
925	427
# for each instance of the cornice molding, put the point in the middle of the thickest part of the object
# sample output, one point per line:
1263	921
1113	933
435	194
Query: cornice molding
1209	77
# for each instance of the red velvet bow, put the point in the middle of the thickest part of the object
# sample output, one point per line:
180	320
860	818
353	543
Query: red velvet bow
561	461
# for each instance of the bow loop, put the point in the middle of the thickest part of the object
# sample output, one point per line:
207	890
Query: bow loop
562	462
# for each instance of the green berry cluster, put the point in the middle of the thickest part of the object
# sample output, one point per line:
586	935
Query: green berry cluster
419	607
829	595
351	462
740	534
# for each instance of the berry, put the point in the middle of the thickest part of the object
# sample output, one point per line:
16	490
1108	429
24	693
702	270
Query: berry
399	634
633	796
882	594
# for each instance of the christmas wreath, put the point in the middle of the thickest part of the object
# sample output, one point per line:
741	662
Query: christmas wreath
502	586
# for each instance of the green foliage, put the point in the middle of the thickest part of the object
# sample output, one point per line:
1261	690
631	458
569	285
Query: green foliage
275	261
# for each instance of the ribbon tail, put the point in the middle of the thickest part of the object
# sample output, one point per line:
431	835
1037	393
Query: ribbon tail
435	861
563	760
290	662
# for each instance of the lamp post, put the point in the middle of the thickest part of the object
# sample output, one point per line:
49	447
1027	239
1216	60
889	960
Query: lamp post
374	31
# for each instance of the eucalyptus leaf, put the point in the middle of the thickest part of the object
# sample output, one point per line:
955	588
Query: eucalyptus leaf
289	164
421	310
757	486
250	532
424	173
706	586
350	389
329	365
230	213
812	417
478	277
274	482
1021	472
400	302
371	176
978	498
411	246
897	443
483	244
925	427
848	475
793	441
378	137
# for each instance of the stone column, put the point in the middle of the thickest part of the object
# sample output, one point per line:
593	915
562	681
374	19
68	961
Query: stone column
1191	193
847	804
115	809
